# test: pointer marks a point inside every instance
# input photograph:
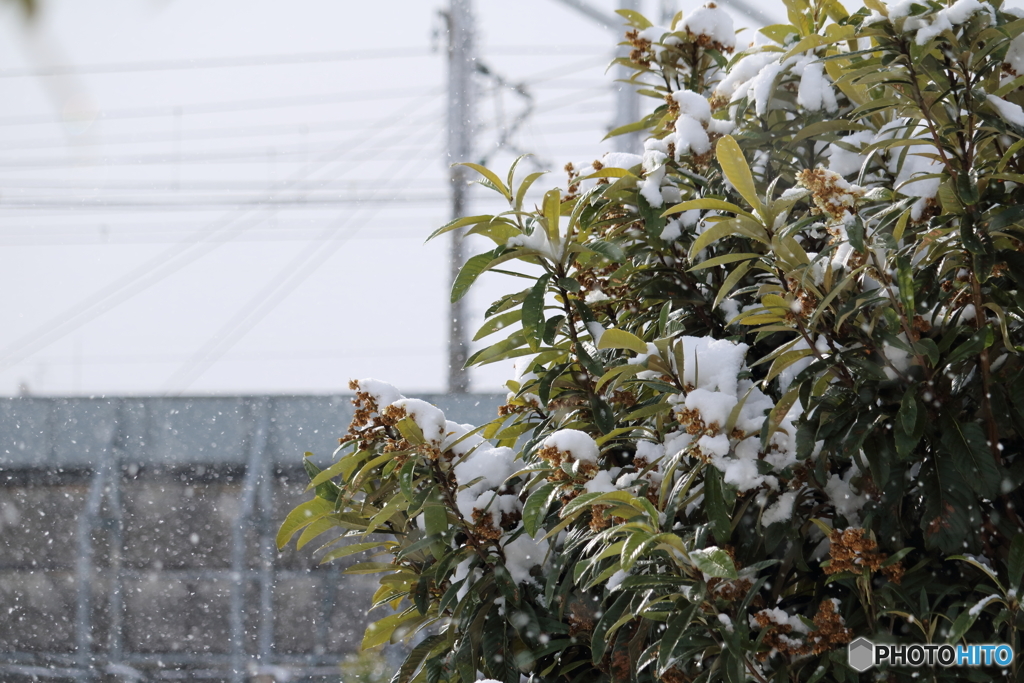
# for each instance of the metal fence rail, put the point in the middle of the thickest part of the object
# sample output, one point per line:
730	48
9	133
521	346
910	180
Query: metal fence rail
126	488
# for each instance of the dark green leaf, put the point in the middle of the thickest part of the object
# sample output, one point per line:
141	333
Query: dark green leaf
718	510
967	445
533	312
714	562
609	250
473	268
537	506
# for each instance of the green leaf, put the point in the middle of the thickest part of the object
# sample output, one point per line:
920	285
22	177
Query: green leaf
599	641
962	624
908	411
945	520
329	473
731	281
458	223
635	18
552	211
491	176
473	268
303	515
503	349
968	446
537	506
620	339
327	490
351	549
723	259
1015	562
533	312
822	127
379	632
497	323
717	507
653	220
604	416
507	587
721	230
734	166
708	205
634	127
609	250
521	192
714	561
669	652
418	654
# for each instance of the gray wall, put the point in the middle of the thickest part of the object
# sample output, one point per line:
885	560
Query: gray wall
136	539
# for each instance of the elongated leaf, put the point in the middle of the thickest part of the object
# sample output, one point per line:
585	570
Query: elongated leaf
730	282
968	446
350	549
525	186
320	526
620	339
1015	562
458	223
533	312
420	653
708	205
552	211
734	166
302	516
714	561
474	267
491	176
537	506
723	259
599	641
609	250
379	632
716	232
497	323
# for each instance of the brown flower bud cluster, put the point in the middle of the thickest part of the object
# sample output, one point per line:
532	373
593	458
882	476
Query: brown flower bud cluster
829	632
832	194
852	549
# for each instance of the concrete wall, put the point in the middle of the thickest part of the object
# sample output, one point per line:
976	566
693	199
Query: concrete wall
127	551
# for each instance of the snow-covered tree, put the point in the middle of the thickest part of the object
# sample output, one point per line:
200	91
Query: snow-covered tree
769	393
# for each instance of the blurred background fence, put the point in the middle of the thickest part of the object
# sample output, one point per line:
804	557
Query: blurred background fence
137	539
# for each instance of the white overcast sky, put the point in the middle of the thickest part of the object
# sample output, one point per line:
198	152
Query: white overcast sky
151	229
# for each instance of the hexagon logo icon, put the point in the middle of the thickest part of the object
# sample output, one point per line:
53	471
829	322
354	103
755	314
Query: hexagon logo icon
861	654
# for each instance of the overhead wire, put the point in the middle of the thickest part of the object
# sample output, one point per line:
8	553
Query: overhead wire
269	60
169	261
347	97
263	302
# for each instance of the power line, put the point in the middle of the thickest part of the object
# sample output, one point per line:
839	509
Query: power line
245	154
294	273
552	77
270	60
167	262
205	204
316	354
237	105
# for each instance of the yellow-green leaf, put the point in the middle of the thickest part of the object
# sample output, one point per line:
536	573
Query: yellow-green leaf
302	516
491	176
379	632
552	210
351	549
730	282
620	339
734	166
708	204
